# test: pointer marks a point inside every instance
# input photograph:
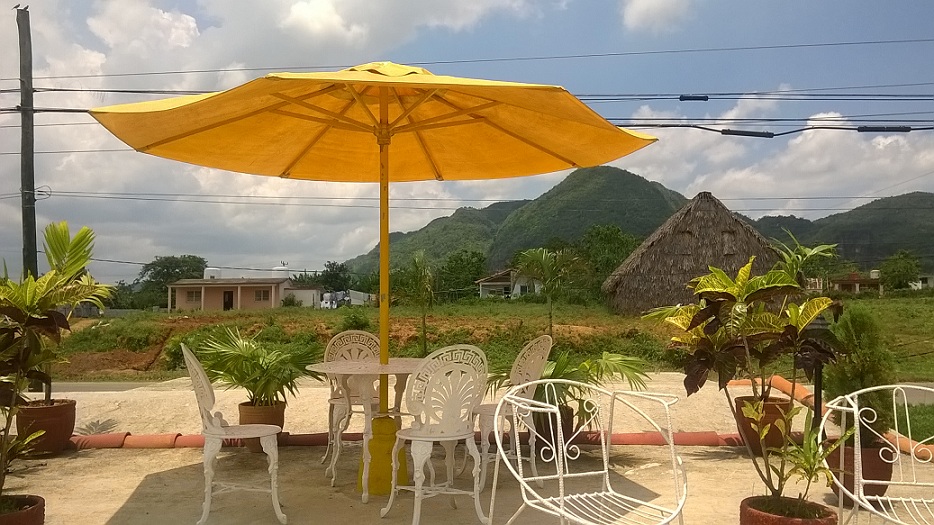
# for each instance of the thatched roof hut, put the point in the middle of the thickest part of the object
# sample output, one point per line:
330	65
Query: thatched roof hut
703	233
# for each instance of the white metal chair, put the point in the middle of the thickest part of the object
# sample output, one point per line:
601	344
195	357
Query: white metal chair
441	394
909	497
579	490
352	345
216	430
528	366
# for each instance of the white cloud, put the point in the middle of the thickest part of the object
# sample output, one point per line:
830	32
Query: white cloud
656	16
141	29
321	18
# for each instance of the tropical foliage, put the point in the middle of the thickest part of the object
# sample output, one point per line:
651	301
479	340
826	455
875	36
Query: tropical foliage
32	321
265	371
741	326
554	270
900	269
866	362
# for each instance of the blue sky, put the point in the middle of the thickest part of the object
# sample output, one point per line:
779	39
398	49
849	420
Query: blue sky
647	47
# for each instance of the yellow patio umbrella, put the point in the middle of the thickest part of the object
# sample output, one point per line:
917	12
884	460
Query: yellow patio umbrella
339	126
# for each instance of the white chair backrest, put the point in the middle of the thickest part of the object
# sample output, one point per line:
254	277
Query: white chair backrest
446	387
556	447
530	364
204	392
910	453
351	345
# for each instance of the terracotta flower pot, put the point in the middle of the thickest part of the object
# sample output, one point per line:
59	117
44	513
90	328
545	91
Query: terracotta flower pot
774	408
874	467
261	415
750	513
546	426
31	510
57	420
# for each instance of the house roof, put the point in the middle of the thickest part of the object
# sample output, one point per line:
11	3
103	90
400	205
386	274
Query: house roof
497	277
703	233
238	281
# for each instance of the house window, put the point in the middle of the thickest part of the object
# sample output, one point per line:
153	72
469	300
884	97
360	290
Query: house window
193	296
523	289
262	296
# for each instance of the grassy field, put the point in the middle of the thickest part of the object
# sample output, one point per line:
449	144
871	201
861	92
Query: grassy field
145	346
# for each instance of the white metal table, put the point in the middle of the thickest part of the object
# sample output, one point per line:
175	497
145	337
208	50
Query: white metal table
361	372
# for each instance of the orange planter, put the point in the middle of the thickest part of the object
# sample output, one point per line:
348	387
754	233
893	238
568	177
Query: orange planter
749	513
261	415
56	420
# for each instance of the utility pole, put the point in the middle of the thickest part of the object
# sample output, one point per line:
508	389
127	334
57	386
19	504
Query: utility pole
28	147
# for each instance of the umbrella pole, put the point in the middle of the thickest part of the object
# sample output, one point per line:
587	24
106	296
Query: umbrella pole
383	428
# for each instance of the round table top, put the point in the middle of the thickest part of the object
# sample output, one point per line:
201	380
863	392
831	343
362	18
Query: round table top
396	365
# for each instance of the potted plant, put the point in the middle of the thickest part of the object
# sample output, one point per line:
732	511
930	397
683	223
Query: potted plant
867	362
266	372
68	258
806	461
30	324
744	326
593	371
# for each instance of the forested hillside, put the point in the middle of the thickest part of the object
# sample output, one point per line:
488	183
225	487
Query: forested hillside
466	229
610	196
588	196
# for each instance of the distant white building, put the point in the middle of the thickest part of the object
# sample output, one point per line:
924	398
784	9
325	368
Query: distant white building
507	283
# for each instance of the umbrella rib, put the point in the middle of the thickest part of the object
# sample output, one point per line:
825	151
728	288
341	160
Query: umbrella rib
363	106
317	137
518	137
312	107
425	123
328	122
418	136
210	127
408	111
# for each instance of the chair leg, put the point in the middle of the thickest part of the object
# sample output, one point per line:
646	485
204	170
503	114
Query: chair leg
338	424
330	434
472	448
271	449
421	454
395	481
534	469
367	435
486	428
449	447
211	447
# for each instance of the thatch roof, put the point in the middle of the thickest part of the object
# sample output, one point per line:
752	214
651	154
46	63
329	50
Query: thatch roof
703	233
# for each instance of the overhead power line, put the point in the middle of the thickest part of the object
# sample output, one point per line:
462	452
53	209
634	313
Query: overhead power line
725	49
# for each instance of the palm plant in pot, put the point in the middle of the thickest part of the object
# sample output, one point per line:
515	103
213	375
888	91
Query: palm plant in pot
868	362
593	371
30	326
743	326
266	372
70	284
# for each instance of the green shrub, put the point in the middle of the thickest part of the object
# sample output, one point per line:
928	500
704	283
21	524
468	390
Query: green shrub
866	361
355	318
132	333
291	301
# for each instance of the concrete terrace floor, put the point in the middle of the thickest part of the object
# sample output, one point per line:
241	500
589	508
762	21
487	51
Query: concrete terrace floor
130	486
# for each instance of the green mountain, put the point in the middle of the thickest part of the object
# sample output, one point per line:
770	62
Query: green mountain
588	196
468	229
867	235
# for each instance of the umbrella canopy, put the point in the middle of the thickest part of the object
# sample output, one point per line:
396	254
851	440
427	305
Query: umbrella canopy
321	126
338	126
